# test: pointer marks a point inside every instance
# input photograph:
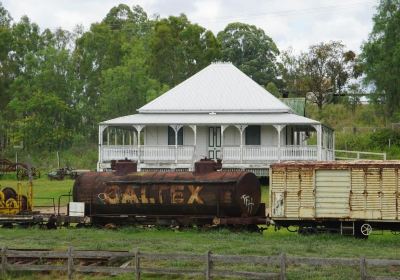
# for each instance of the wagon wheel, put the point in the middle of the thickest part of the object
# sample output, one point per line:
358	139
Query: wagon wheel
35	173
8	193
22	173
366	229
11	203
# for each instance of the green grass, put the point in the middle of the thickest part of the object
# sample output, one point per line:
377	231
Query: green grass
218	241
44	190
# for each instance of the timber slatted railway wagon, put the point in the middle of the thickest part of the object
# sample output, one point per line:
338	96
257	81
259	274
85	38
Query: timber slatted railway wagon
346	197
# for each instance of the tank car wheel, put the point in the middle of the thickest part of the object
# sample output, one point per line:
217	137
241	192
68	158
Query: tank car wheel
7	225
52	222
254	228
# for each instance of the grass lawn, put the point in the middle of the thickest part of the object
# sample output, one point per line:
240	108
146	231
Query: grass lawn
271	242
218	241
43	189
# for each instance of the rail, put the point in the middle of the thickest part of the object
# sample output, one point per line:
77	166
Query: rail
109	153
354	155
118	262
231	154
51	204
69	195
251	154
148	153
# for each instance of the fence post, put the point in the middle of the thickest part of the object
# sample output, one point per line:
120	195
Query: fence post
70	268
208	265
137	264
3	262
363	269
283	267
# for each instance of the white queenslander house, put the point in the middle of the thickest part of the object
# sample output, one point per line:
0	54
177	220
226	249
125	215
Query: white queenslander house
217	113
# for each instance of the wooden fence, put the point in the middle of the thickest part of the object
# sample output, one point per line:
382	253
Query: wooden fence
78	261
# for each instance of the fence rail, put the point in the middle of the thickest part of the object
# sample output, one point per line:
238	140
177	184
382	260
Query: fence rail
352	155
75	261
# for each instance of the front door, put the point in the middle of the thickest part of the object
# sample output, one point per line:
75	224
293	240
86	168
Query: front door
214	142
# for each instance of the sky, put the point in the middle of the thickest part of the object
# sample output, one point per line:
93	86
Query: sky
290	23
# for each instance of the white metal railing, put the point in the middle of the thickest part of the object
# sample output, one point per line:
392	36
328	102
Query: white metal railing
148	153
119	152
157	153
185	153
260	153
231	154
328	154
299	153
166	153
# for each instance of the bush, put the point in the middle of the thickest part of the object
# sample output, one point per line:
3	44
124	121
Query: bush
382	137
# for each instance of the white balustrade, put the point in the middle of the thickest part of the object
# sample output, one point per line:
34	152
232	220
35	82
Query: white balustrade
299	152
185	153
260	153
231	154
157	153
119	152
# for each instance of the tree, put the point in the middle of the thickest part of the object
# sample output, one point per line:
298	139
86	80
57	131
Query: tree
291	73
251	50
127	87
105	47
323	71
272	88
381	56
353	96
42	106
6	73
179	49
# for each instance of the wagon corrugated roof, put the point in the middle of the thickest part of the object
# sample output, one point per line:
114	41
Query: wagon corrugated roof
338	164
220	87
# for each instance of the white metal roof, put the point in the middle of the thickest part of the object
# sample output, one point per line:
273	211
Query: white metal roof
208	119
220	87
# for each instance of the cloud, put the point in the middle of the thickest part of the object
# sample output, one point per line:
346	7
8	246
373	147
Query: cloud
289	22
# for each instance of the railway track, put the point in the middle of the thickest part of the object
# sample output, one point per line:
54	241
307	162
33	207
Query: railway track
43	257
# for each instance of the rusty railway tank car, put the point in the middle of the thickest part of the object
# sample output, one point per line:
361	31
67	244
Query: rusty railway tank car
205	196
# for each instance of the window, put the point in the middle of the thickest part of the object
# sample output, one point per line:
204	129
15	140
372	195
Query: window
171	136
253	135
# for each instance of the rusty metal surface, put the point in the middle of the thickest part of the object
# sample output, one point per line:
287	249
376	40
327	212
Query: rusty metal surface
364	190
125	167
339	164
222	193
206	166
